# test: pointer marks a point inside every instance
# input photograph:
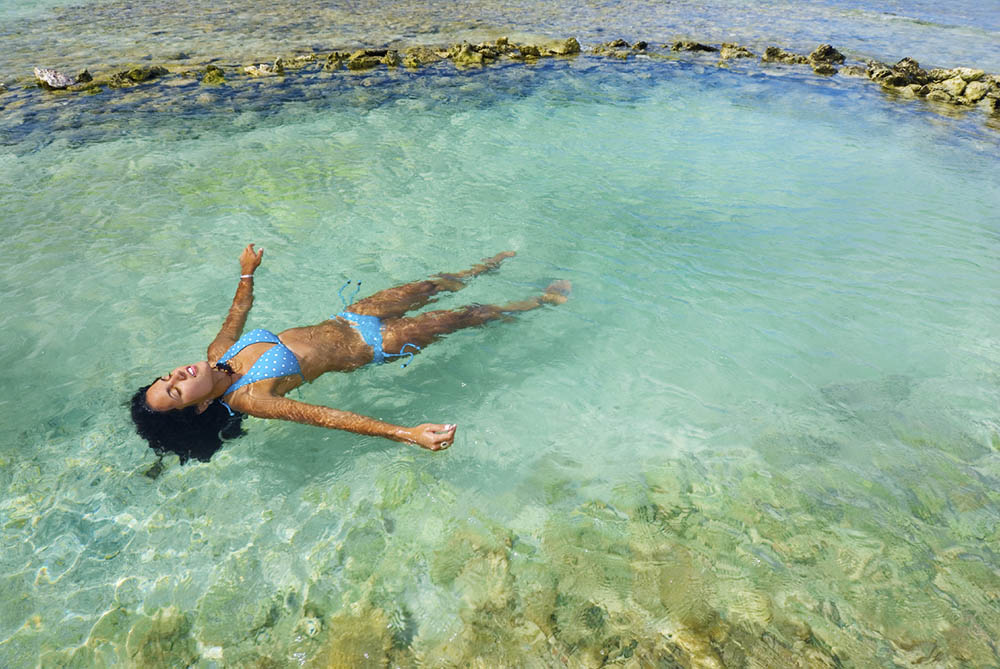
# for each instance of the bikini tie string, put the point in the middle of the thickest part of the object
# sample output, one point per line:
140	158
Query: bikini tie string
402	352
344	300
347	301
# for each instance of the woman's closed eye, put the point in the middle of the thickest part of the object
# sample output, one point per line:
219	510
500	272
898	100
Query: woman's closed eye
172	393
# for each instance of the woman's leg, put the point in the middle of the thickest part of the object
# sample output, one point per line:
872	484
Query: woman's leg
426	328
395	302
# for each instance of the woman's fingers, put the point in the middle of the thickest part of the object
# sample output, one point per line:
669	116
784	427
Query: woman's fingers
437	437
250	259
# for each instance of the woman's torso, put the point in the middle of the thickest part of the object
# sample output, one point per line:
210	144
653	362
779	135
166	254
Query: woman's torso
330	346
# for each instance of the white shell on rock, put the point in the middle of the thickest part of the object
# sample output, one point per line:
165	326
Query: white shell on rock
265	69
53	79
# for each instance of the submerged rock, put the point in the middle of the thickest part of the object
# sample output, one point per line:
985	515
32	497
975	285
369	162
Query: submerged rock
618	48
356	638
335	60
366	63
773	54
825	53
964	73
465	55
567	47
976	91
854	71
392	59
824	58
692	46
420	56
135	75
265	69
957	86
912	69
213	76
164	638
731	51
52	80
529	51
938	95
298	62
953	87
365	59
904	73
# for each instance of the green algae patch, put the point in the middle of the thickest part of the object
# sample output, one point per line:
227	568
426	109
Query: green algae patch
162	640
213	76
359	637
131	76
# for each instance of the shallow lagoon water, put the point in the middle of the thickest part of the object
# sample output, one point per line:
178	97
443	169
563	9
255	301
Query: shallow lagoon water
763	430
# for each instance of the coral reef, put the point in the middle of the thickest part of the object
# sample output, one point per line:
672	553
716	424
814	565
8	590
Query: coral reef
729	51
959	87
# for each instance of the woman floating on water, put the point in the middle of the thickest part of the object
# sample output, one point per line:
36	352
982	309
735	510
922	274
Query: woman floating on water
190	410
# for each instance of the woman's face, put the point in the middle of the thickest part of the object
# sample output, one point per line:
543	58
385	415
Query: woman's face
183	387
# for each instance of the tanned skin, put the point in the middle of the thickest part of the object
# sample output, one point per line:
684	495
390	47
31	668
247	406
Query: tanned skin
334	346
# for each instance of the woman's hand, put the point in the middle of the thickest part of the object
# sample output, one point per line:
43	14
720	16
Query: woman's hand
431	436
250	259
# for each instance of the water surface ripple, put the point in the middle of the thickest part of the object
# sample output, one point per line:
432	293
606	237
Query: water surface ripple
762	432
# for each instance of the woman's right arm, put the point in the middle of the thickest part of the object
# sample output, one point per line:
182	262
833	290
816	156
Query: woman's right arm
232	328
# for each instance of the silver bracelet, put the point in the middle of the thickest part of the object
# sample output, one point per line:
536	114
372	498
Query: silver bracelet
246	276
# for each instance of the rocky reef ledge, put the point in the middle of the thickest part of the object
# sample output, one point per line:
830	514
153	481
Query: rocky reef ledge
957	88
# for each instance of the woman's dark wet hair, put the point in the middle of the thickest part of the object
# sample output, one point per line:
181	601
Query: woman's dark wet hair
185	432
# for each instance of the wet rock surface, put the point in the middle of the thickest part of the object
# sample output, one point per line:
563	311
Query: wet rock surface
962	86
692	46
213	76
730	51
825	53
52	80
774	54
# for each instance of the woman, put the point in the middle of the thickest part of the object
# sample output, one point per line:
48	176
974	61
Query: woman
190	410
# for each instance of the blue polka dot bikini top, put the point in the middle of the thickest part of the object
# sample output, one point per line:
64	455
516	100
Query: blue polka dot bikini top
275	361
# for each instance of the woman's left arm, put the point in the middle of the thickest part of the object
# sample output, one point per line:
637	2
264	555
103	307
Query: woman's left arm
232	328
431	436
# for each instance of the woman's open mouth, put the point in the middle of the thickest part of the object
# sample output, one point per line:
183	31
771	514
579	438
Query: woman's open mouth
192	371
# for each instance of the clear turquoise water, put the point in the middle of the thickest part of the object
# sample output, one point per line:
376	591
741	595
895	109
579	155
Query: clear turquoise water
762	430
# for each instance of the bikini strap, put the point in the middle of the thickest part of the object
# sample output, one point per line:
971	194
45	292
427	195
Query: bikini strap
340	292
403	352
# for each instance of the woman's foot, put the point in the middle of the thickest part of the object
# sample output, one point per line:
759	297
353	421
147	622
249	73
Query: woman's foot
557	292
452	281
494	262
